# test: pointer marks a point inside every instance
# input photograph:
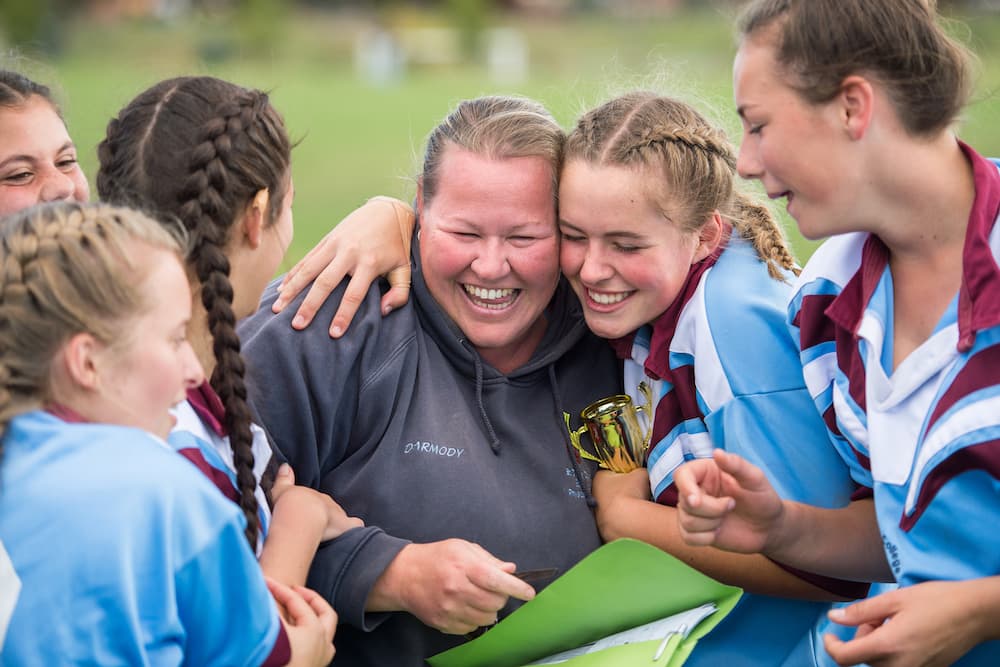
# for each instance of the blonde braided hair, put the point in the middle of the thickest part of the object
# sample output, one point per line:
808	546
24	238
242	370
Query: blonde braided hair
65	269
692	163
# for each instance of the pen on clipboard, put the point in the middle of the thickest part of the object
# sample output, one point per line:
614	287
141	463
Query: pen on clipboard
678	632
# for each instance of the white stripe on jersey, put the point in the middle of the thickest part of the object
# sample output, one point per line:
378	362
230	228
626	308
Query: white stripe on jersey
10	590
819	374
971	417
848	421
693	328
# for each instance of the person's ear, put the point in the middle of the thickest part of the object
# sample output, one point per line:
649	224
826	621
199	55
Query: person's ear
255	217
80	359
709	237
857	105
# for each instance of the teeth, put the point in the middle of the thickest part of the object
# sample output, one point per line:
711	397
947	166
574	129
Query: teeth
487	298
607	299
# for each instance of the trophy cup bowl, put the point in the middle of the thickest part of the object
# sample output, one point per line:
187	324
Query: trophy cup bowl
619	437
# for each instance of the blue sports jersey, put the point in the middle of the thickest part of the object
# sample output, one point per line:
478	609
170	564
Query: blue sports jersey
728	376
925	436
126	554
200	436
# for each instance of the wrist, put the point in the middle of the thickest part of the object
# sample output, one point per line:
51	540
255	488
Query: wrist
387	594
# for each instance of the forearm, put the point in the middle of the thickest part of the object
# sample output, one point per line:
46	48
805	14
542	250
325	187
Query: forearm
843	542
295	532
984	606
657	525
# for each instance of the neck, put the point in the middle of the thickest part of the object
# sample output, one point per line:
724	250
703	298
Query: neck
511	357
927	199
200	337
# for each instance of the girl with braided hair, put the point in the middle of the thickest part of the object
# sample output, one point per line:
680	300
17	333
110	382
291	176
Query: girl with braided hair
94	307
216	157
37	157
688	279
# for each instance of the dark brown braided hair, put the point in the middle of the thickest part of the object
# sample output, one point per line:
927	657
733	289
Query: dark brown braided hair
691	163
198	149
16	89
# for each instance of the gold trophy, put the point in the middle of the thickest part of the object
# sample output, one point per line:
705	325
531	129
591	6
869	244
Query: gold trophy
620	440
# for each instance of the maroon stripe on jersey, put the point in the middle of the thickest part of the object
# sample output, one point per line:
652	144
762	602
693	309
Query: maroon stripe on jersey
865	462
863	492
852	366
830	418
281	653
814	326
208	406
978	307
984	456
677	405
851	590
668	496
979	371
219	478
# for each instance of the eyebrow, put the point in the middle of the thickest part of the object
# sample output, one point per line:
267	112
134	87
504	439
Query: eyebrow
619	234
30	158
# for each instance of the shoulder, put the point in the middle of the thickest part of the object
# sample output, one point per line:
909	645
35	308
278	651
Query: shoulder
91	468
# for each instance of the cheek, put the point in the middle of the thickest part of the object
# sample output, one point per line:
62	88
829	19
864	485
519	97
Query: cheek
13	200
541	262
571	259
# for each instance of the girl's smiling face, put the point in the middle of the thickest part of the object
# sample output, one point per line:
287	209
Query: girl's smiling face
37	158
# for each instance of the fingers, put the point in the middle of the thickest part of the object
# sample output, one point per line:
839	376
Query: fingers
284	479
745	474
357	289
871	610
399	290
299	611
324	612
856	651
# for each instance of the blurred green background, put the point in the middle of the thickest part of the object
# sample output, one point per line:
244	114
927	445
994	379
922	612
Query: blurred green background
361	114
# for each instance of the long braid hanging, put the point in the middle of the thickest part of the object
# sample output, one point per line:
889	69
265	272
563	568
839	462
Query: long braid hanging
202	206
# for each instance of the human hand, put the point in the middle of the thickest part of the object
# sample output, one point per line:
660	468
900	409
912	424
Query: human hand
315	507
310	623
372	240
726	502
453	586
933	625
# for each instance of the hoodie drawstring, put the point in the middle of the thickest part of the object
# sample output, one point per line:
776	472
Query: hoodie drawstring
494	440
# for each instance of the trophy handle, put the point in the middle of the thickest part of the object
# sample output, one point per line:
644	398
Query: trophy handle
574	437
646	407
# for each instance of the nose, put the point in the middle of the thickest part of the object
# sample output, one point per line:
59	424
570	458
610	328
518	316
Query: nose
491	263
57	186
747	161
193	374
595	268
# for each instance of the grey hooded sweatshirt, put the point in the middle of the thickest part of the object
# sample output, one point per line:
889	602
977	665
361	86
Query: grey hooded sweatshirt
404	424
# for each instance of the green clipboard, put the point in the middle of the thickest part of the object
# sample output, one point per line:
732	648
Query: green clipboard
621	585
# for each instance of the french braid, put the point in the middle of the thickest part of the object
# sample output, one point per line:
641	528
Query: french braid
236	145
693	160
65	269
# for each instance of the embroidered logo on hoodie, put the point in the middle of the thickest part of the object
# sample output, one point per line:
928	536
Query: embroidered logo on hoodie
432	449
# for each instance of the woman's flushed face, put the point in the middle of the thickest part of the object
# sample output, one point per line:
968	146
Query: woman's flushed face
797	150
626	261
490	251
37	158
150	369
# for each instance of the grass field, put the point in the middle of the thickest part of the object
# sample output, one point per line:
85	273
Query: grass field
357	140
